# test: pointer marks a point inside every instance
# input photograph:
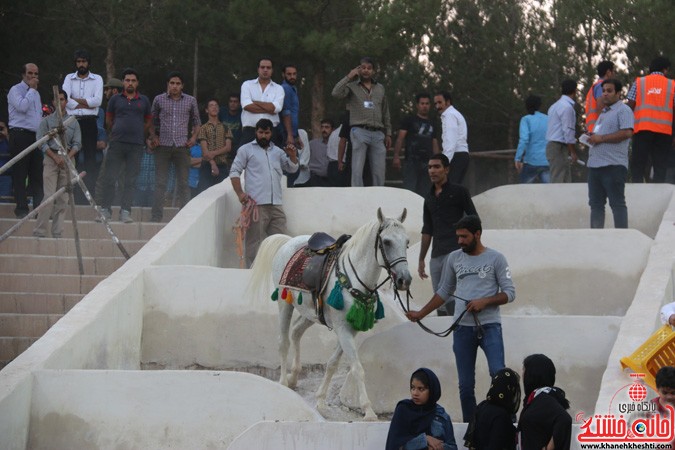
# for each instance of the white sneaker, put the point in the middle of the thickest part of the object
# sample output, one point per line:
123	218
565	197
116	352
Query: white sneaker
125	216
105	212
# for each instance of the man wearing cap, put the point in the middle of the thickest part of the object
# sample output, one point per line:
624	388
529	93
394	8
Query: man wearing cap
85	95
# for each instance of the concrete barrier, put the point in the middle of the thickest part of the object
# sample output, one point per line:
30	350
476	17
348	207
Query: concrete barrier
104	331
154	410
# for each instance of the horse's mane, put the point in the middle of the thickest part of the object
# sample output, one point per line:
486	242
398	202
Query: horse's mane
366	229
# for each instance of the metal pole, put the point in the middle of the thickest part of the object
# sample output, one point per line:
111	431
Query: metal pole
44	204
63	152
33	146
91	201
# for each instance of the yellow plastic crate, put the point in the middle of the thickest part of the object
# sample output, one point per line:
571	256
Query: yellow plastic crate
657	351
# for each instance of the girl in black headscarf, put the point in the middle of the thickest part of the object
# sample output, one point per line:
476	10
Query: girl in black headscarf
492	425
420	423
544	422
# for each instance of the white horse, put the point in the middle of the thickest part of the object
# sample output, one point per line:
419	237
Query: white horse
379	244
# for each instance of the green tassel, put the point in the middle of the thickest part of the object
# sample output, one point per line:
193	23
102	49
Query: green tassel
275	295
360	316
335	298
379	314
300	298
355	316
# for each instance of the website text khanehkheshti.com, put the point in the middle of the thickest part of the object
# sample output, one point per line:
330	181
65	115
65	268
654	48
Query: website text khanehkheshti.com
625	445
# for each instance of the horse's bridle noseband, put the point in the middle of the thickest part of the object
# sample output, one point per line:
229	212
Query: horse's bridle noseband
388	266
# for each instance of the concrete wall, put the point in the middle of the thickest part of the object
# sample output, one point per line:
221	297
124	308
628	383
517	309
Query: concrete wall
104	331
579	346
212	322
596	274
564	206
154	410
310	436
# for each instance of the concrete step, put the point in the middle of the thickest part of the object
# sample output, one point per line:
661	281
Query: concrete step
26	325
83	212
91	230
11	347
37	303
59	265
44	283
66	247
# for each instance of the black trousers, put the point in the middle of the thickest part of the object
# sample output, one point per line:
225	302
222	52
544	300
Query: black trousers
89	158
458	167
30	166
649	145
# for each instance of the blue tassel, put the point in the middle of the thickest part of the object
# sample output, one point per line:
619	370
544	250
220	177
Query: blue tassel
379	313
335	298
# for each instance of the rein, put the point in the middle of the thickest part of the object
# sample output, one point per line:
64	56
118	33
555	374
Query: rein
452	327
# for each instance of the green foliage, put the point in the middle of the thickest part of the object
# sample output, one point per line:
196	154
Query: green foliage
491	53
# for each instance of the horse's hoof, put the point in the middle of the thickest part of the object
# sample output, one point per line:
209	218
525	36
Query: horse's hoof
370	417
283	382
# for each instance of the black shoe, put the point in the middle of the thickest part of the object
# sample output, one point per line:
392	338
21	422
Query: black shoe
20	213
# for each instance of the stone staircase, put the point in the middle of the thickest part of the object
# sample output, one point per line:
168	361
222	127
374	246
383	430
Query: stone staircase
39	277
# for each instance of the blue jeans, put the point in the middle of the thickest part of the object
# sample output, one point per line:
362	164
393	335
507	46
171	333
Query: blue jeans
371	143
530	173
607	183
465	346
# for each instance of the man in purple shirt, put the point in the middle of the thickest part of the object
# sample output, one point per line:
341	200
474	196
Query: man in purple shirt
172	114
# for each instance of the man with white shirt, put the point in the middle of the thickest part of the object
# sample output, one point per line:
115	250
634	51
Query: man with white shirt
25	114
261	98
85	95
454	134
560	132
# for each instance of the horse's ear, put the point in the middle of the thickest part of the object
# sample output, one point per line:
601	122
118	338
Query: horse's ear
404	214
380	216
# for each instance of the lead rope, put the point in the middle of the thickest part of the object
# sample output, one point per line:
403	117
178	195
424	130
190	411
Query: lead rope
249	213
452	327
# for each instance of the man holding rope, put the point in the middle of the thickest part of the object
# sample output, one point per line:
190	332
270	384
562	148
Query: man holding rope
263	162
480	277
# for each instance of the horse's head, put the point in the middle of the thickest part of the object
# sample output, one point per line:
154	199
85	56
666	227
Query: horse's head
391	248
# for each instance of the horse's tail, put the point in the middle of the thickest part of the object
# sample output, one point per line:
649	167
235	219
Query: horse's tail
261	271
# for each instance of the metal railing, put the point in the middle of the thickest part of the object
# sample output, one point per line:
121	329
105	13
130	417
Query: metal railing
76	179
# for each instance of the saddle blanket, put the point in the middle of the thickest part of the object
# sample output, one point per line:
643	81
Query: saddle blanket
292	275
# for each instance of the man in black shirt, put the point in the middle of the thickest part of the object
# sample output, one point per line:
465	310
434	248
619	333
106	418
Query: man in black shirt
421	141
444	204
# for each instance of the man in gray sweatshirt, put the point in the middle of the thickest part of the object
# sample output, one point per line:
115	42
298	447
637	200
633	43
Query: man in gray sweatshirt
479	277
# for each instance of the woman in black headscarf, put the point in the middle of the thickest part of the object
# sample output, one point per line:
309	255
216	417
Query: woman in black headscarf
544	422
492	425
420	423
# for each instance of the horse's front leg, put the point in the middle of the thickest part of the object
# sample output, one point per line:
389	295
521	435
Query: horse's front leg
331	367
299	327
346	338
285	314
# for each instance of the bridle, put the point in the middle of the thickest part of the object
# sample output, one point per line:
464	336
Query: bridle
388	266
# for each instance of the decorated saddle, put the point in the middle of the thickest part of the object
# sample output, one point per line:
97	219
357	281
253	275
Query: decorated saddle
308	270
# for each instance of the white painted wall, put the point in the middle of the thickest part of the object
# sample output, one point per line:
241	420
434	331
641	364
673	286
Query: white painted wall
104	330
338	435
564	206
154	410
